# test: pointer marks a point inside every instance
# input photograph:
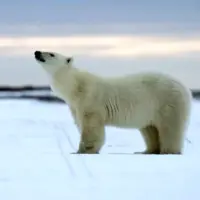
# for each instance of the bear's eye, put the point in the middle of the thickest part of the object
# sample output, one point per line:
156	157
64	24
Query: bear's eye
52	55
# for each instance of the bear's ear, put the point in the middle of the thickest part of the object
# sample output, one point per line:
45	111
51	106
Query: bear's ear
69	60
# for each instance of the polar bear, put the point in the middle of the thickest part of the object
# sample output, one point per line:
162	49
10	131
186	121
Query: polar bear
156	104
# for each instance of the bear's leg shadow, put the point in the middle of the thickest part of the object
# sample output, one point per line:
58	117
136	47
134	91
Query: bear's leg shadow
73	113
151	139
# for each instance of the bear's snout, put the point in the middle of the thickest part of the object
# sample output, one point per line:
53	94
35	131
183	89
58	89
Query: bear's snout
38	56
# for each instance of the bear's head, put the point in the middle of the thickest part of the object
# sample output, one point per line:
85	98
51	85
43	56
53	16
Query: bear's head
52	61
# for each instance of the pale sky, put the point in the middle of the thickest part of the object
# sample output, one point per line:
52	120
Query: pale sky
105	37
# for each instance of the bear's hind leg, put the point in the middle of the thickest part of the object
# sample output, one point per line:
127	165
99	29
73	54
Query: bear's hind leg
151	139
171	140
172	126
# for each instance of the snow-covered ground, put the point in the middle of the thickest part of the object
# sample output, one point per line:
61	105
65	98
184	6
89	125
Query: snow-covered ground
36	140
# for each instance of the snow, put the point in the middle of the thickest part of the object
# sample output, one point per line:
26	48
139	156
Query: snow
36	142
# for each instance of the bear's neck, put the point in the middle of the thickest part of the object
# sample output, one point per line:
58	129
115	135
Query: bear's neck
52	70
72	84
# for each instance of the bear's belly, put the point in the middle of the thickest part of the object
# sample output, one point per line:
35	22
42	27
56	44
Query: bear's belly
126	119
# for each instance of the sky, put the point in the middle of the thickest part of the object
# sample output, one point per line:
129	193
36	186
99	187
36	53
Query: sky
105	37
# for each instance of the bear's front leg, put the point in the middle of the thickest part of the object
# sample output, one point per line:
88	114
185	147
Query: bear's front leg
87	149
92	134
91	141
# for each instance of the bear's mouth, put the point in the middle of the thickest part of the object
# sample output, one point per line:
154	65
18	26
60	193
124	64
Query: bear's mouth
38	56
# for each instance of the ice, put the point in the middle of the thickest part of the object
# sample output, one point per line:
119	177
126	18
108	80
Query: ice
36	142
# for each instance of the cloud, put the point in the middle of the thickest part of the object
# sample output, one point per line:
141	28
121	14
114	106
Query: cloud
101	45
102	28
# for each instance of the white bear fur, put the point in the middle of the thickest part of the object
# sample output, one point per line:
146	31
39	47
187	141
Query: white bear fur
156	104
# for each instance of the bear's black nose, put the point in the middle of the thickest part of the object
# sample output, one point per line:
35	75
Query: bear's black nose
38	56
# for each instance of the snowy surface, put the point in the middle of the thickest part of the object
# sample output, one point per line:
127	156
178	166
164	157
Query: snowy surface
36	142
